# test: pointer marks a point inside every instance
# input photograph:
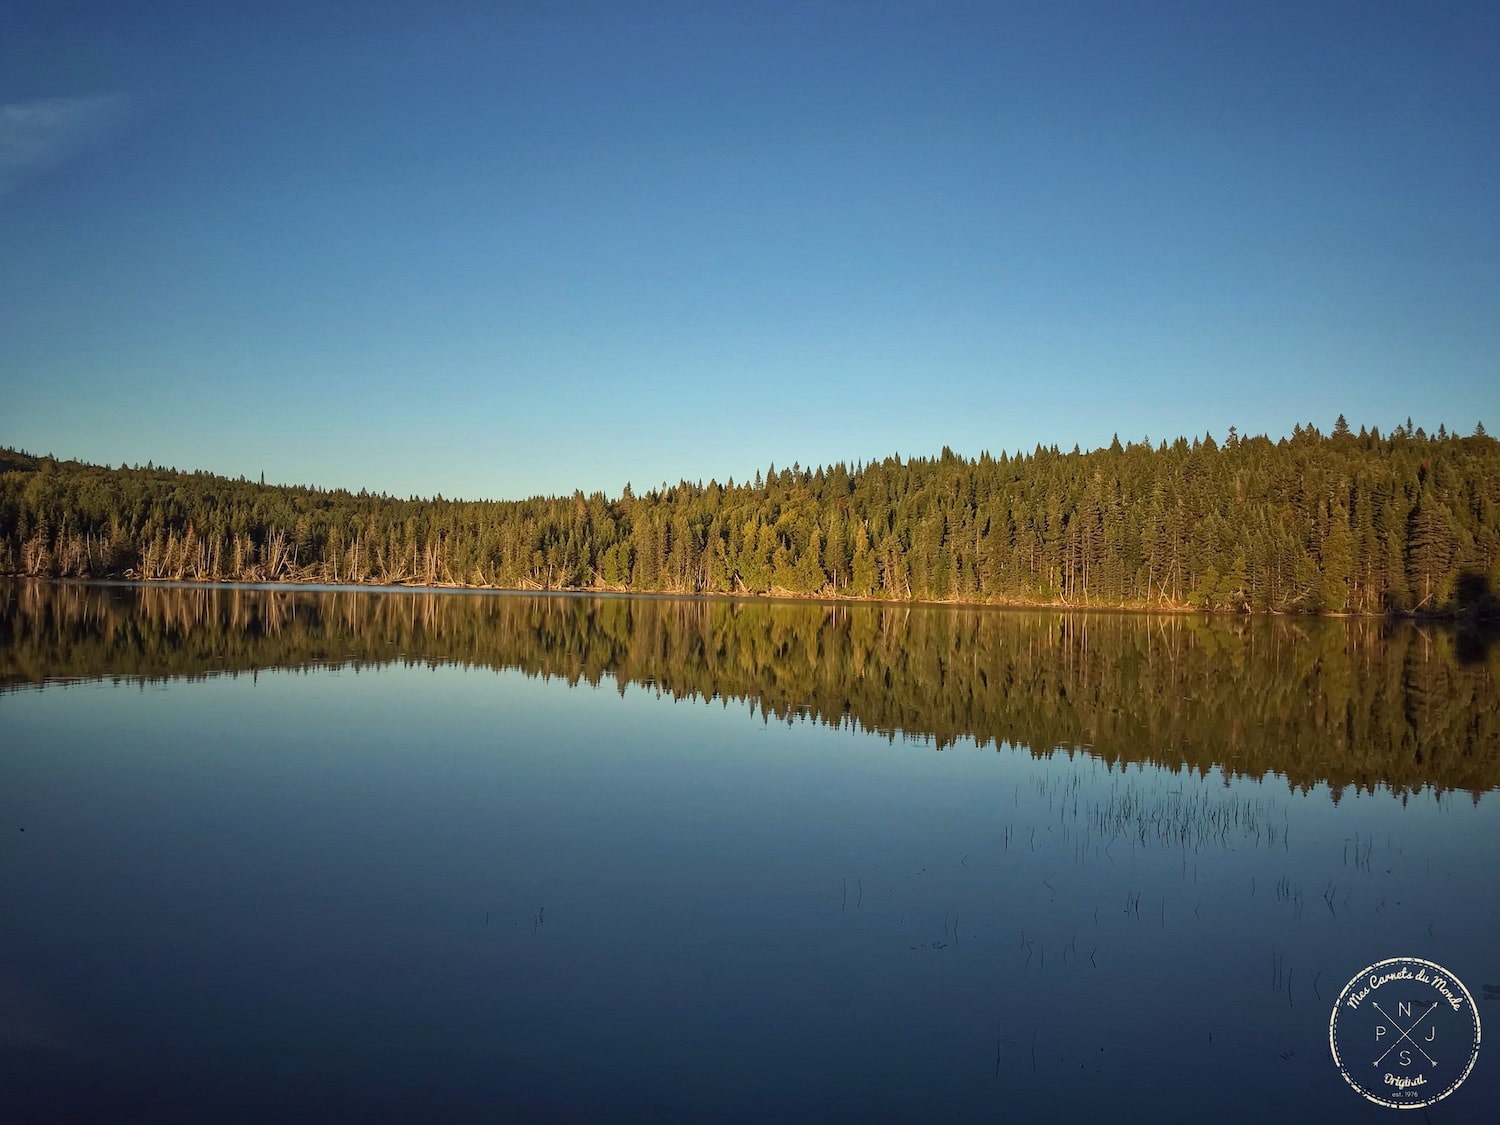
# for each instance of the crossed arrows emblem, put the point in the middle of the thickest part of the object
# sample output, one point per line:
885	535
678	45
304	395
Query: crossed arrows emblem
1406	1034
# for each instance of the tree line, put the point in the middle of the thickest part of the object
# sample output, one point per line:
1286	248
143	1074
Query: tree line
1362	703
1340	522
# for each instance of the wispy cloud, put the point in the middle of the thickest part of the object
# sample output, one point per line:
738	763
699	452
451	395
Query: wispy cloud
38	135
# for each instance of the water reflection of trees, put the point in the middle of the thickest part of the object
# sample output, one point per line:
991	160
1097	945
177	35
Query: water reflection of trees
1348	702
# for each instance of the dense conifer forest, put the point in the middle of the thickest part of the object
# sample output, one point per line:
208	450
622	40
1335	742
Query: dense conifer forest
1344	522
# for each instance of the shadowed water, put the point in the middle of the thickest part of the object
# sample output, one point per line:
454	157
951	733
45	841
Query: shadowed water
356	855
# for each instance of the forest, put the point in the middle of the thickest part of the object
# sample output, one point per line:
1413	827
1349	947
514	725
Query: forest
1344	522
1357	703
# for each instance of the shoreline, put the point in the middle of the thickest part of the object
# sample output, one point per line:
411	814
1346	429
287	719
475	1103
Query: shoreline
321	585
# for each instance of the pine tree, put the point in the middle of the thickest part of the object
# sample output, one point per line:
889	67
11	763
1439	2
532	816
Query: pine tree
1432	544
1337	564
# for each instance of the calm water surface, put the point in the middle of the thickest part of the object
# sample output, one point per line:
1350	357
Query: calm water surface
271	854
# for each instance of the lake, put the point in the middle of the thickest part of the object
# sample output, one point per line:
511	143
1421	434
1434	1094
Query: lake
276	854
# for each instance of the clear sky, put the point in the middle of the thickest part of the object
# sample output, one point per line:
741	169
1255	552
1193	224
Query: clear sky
493	251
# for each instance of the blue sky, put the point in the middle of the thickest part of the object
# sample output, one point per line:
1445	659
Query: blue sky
493	251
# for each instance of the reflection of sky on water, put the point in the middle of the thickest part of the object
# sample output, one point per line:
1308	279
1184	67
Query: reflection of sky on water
414	891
